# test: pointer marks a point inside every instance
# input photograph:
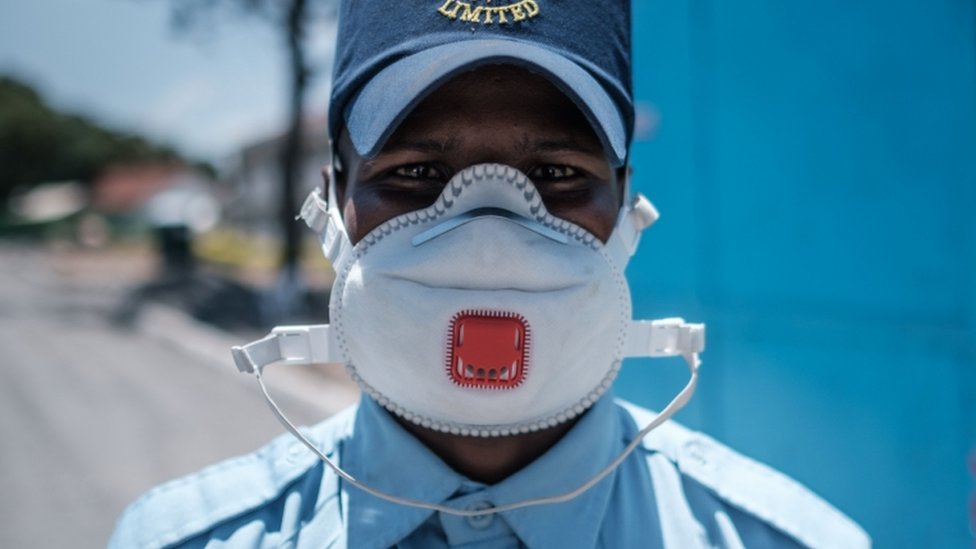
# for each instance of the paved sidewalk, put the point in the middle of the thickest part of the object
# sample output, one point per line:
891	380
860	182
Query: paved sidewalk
93	414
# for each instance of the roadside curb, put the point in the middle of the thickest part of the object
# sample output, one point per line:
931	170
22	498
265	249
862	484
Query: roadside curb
322	390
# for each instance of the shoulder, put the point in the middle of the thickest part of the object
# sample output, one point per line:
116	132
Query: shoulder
229	491
754	500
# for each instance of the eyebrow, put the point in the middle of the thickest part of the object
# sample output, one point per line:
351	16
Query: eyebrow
439	146
526	144
529	145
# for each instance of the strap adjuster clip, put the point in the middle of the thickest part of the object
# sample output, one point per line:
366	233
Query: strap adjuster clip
315	211
294	344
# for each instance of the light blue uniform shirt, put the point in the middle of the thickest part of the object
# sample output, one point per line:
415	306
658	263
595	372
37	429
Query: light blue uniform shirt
678	489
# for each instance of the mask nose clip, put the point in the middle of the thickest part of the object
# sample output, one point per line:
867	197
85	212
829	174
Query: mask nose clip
471	215
489	191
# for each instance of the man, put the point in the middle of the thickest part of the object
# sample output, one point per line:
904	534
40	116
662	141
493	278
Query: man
479	222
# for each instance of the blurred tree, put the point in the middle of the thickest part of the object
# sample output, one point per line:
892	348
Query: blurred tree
291	19
40	144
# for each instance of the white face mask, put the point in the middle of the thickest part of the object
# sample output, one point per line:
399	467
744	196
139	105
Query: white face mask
482	314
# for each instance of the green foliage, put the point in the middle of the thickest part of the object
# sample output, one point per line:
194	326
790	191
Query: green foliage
39	144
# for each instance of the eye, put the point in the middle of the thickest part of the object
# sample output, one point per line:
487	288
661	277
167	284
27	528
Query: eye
418	171
552	172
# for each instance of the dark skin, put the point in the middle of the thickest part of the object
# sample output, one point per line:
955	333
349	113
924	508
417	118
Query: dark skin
498	114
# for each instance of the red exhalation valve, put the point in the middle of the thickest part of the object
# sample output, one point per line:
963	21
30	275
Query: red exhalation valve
487	349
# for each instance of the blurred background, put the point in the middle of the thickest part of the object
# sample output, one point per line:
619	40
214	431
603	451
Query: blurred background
815	167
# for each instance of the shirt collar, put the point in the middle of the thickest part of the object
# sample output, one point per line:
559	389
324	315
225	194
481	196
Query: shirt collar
385	456
586	449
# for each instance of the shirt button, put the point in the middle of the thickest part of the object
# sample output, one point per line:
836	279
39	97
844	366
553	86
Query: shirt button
480	522
295	452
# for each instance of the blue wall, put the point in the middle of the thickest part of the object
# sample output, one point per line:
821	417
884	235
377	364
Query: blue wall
815	167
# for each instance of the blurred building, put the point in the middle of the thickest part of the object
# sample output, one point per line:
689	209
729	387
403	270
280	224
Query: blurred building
251	179
150	188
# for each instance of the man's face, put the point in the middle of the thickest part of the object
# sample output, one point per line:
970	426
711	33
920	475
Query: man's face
498	114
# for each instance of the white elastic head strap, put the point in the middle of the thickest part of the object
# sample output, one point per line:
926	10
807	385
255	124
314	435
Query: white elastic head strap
671	332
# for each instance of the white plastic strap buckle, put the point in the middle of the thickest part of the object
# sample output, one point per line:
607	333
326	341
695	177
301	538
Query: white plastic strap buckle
666	337
288	344
315	212
636	217
640	215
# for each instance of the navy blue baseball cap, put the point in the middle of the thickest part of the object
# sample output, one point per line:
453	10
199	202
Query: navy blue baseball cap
391	53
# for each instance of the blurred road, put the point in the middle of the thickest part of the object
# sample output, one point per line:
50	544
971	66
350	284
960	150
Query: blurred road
92	415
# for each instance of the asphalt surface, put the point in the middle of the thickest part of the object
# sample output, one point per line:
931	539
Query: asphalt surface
92	414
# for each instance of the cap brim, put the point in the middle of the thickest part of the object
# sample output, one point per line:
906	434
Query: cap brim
376	111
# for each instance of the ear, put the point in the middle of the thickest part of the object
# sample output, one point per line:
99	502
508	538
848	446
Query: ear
336	174
326	177
624	174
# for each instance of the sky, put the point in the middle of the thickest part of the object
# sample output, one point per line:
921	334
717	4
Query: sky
121	63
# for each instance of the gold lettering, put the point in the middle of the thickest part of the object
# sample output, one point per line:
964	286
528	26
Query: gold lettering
453	12
471	15
517	12
464	11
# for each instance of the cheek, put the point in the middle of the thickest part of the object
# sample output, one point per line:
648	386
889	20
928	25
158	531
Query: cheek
350	216
598	215
364	211
598	220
